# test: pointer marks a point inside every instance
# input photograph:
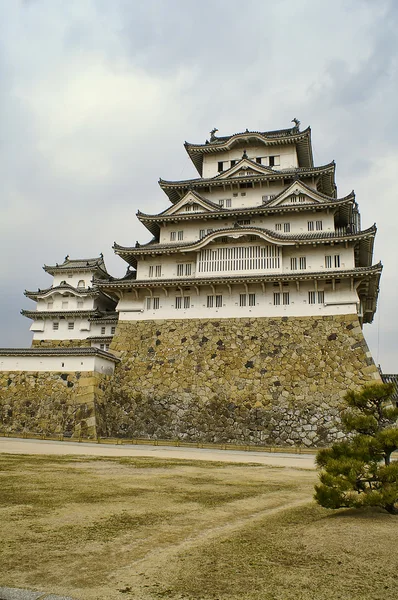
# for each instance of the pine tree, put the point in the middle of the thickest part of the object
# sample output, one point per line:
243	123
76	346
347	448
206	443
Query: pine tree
359	472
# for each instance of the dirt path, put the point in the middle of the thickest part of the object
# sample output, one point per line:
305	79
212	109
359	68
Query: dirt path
142	574
21	446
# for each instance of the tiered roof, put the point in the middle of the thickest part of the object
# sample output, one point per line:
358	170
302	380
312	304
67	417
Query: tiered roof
212	210
325	176
77	351
302	141
65	287
130	254
79	265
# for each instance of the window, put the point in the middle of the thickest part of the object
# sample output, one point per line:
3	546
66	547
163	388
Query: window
277	298
235	195
302	262
252	299
301	198
316	297
337	260
187	301
220	166
286	227
184	268
178	302
202	233
246	184
113	329
278	226
233	163
80	304
158	270
328	262
81	283
71	326
242	299
218	301
64	304
228	203
243	222
196	207
172	236
55	326
188	208
243	194
209	231
103	329
221	202
210	301
311	297
293	264
180	235
310	225
239	258
151	271
156	303
318	225
286	298
102	346
148	303
274	161
259	160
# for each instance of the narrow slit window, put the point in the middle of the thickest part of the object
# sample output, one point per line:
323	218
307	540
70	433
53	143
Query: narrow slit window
277	298
286	298
242	299
252	299
218	301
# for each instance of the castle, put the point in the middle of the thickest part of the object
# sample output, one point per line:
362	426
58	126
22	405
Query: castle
241	320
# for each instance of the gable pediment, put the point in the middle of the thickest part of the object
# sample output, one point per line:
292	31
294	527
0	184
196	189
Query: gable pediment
191	202
244	168
296	194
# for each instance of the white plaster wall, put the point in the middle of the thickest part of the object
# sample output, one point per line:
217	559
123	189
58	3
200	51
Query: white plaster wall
43	329
73	278
287	153
315	260
298	224
58	300
57	363
342	300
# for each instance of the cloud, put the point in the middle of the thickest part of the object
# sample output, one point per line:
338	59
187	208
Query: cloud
97	98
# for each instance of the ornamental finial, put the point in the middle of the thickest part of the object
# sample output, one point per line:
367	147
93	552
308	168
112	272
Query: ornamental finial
296	122
244	155
212	134
66	257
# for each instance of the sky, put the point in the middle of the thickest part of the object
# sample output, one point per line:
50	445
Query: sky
98	96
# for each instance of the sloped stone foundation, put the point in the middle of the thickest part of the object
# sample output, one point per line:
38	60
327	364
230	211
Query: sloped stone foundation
261	381
50	402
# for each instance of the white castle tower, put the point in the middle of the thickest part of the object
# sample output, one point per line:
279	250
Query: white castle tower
261	233
72	311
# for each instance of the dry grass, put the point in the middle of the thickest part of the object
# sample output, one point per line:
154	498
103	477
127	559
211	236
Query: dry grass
147	529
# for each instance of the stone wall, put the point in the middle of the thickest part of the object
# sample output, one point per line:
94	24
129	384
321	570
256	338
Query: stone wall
262	381
50	402
61	343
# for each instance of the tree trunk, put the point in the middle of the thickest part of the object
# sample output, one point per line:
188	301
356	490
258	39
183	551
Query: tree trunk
391	508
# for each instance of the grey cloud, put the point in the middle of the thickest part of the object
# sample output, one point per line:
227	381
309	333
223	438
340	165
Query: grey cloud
97	98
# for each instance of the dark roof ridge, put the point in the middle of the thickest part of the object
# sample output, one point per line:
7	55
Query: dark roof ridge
290	171
273	134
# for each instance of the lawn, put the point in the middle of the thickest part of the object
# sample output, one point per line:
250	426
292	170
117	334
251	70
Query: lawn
100	528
